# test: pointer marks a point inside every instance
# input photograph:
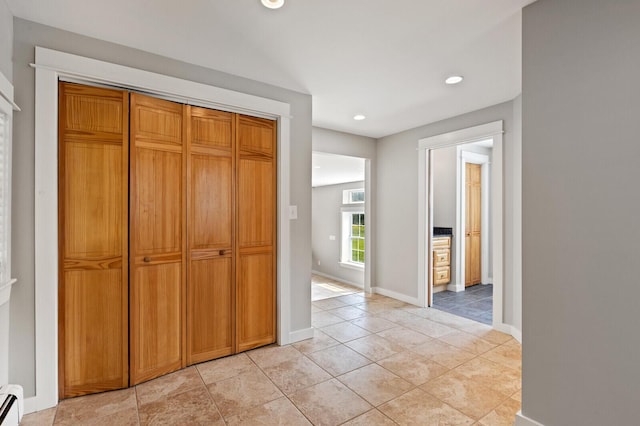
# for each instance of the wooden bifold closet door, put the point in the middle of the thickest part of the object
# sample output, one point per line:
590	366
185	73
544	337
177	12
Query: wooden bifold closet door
167	236
93	240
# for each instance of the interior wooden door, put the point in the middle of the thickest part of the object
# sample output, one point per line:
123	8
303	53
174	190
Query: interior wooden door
158	229
211	200
473	197
256	232
93	240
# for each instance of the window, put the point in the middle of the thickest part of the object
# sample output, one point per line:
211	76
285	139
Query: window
6	116
353	196
353	234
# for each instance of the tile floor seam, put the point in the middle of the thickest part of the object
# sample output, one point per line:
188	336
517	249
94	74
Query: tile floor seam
206	388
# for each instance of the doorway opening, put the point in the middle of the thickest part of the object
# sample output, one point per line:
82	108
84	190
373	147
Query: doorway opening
461	177
479	145
339	225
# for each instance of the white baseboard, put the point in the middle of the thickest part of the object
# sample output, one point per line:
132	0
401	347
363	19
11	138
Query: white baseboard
395	295
298	335
33	404
342	280
508	329
455	287
522	420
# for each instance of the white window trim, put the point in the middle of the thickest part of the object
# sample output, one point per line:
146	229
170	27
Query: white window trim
346	196
345	247
51	65
7	106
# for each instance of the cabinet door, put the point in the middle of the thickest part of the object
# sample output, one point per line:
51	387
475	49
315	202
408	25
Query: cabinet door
210	289
158	222
93	281
256	224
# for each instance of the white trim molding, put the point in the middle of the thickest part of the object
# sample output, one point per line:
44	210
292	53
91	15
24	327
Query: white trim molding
494	131
395	295
342	280
304	334
50	66
522	420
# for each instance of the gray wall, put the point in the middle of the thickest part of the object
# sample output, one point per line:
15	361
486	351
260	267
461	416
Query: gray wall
327	220
513	221
6	40
26	36
397	195
580	212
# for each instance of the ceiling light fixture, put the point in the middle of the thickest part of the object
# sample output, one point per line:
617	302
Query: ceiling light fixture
273	4
454	79
359	117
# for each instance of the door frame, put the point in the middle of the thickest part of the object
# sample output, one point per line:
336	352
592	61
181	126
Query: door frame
494	131
463	158
51	65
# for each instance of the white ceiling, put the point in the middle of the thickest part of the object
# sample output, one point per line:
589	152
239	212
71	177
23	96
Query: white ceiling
384	59
332	169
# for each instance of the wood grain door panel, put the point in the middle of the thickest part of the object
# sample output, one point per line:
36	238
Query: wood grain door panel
156	325
256	194
158	237
93	240
256	300
210	312
473	197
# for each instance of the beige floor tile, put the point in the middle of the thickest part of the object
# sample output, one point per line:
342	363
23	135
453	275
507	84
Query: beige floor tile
329	403
375	384
405	337
39	418
170	384
428	327
468	342
517	396
374	347
417	407
338	360
190	407
373	324
324	318
412	367
318	342
224	368
507	355
243	392
487	333
492	375
448	319
352	299
443	353
296	374
92	407
371	418
271	355
315	309
468	396
344	332
128	417
327	304
503	415
374	306
280	412
397	316
348	312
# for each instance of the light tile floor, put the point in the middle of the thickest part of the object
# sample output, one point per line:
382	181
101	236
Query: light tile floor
373	361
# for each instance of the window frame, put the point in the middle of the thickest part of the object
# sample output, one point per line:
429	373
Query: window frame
347	196
346	249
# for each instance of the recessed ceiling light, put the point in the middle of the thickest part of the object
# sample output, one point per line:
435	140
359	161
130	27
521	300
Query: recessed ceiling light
454	79
359	117
273	4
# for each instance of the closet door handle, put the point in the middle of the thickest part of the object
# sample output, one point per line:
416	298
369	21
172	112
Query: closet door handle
147	259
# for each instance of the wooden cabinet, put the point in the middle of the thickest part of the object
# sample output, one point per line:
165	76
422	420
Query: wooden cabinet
167	236
441	260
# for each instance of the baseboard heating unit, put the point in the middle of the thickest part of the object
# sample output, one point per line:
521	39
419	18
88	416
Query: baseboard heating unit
11	405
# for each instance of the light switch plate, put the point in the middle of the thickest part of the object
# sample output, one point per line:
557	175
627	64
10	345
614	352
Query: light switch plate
293	212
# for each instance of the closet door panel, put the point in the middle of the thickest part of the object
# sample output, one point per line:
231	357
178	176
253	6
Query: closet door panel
158	213
158	230
158	311
210	309
256	241
211	293
256	300
93	326
93	240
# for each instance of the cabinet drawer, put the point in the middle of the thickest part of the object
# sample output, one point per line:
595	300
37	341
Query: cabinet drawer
442	257
441	242
441	275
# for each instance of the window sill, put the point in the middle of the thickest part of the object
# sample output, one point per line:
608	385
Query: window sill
350	265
